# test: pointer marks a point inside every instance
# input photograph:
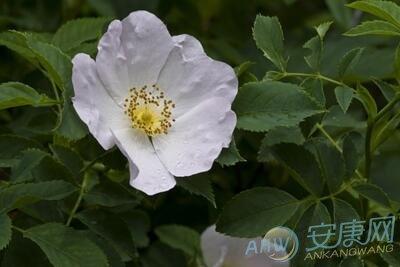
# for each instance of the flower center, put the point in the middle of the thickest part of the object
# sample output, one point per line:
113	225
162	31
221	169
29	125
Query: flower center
149	110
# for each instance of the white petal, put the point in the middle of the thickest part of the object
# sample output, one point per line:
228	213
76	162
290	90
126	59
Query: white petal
191	47
214	247
92	102
147	43
220	250
190	77
132	53
196	139
147	172
111	62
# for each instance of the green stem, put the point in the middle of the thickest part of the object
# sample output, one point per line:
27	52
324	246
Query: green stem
78	202
18	229
55	90
371	123
345	187
329	137
370	128
387	108
84	184
91	163
383	130
311	75
335	144
368	150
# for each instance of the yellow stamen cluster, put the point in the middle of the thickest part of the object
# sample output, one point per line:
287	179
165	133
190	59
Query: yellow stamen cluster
149	110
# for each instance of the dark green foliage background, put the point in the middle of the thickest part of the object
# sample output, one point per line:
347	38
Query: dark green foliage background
304	151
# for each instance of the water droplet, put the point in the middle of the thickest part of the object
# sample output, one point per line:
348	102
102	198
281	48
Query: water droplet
121	57
179	164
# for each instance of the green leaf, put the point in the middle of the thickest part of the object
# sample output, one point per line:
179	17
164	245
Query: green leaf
367	100
341	14
331	163
16	42
65	247
112	194
71	159
303	206
15	94
351	262
314	215
302	165
349	61
396	63
267	33
253	212
111	227
277	136
46	211
75	32
243	68
392	258
230	156
24	252
70	125
5	230
384	130
323	28
29	159
57	64
138	223
351	152
113	257
385	169
34	121
199	185
388	90
343	211
103	7
86	48
14	196
344	96
266	105
11	146
374	193
49	168
386	10
59	68
315	88
337	119
160	255
316	45
180	237
374	27
41	36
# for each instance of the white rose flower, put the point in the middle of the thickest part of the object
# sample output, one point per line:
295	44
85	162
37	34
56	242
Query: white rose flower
224	251
159	98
